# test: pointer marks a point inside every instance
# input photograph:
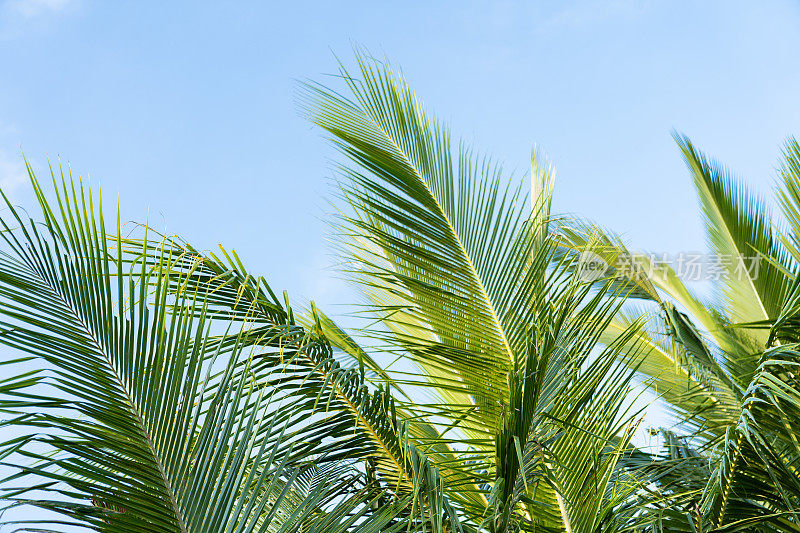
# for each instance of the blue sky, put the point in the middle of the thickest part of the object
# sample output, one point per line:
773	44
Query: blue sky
186	110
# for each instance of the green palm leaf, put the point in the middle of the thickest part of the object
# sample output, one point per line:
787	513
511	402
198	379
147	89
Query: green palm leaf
351	419
461	274
435	235
146	415
739	225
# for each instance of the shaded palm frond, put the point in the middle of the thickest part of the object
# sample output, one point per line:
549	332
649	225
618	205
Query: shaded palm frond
147	409
347	418
756	476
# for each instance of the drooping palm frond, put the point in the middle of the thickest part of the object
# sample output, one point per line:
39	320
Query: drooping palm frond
348	418
703	404
678	359
756	478
755	481
437	240
749	268
148	409
743	396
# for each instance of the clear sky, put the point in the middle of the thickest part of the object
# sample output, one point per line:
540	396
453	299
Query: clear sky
185	109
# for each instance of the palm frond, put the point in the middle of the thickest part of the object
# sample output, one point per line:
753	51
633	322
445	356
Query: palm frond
149	411
348	418
739	226
435	234
470	286
756	476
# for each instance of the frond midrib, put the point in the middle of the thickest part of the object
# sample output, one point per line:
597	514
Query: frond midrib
688	375
702	172
464	253
403	473
131	406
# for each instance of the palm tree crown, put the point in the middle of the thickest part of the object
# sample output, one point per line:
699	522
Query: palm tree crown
496	387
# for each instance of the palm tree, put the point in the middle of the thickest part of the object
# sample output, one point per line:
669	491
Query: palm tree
163	389
140	407
160	388
725	367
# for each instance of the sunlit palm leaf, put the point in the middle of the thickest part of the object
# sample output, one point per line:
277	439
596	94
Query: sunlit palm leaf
739	226
435	234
